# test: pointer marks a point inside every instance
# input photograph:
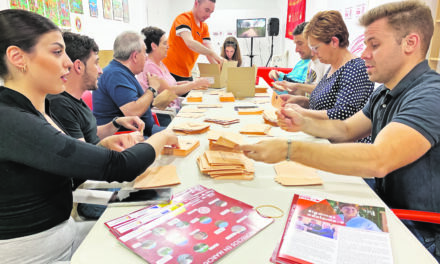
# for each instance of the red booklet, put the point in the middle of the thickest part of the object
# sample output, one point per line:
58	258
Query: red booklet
206	228
325	231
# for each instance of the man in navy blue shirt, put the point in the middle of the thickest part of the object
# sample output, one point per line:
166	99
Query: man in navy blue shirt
119	93
402	117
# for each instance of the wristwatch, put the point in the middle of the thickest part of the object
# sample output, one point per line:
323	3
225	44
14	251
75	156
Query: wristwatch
115	124
153	91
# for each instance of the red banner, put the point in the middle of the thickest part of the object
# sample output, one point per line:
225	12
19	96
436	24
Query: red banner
296	14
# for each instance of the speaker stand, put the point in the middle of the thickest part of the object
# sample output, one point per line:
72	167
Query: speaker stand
271	53
251	56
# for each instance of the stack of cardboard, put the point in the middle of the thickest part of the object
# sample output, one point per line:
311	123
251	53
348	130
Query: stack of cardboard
223	165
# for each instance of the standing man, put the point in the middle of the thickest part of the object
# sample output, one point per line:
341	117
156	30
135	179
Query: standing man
402	117
75	116
120	93
189	37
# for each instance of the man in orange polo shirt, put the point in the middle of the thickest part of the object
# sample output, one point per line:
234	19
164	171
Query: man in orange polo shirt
189	37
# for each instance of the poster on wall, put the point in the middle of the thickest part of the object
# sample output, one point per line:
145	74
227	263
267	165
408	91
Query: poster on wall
351	11
296	14
76	6
64	13
107	9
118	11
36	6
19	4
93	7
51	8
126	14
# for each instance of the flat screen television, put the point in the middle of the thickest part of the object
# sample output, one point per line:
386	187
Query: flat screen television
251	28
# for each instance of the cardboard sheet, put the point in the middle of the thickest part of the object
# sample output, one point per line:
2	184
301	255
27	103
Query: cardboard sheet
218	73
290	173
155	177
241	81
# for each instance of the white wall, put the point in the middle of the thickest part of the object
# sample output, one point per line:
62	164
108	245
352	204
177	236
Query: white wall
223	23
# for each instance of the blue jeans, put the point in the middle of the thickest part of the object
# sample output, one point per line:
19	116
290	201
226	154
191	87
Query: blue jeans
428	234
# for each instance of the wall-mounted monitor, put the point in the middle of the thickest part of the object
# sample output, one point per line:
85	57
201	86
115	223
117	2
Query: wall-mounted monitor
251	28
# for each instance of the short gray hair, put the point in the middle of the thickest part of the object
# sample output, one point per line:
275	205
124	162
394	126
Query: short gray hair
126	43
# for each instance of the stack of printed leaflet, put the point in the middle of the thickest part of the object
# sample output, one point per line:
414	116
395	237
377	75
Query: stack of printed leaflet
224	121
270	117
225	165
191	128
199	225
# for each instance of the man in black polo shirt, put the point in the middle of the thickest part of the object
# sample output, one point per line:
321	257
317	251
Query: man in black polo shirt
402	117
76	117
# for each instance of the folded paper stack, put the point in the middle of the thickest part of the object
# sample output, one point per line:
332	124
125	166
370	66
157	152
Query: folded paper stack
224	140
194	97
224	165
186	146
255	129
222	120
227	97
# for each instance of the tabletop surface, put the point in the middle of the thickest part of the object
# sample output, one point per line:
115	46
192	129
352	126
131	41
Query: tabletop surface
100	246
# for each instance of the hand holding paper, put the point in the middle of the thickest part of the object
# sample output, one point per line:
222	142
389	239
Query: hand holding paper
290	120
268	151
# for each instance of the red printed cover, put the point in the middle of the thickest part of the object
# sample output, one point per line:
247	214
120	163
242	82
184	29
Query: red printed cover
199	231
323	218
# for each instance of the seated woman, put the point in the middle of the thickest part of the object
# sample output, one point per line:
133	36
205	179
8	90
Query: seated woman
157	47
37	159
231	50
345	88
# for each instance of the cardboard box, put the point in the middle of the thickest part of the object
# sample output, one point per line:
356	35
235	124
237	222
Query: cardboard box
217	74
241	81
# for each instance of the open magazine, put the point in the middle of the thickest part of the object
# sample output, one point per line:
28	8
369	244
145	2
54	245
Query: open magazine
326	231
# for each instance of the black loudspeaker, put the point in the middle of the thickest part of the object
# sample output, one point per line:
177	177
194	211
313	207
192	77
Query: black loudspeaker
274	26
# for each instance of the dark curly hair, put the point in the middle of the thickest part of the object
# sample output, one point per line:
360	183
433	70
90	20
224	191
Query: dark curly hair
152	35
79	47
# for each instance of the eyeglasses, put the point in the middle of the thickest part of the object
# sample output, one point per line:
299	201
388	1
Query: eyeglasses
315	48
230	43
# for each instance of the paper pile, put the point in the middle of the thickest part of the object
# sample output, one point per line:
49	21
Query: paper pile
222	120
186	146
224	140
255	129
223	165
191	127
